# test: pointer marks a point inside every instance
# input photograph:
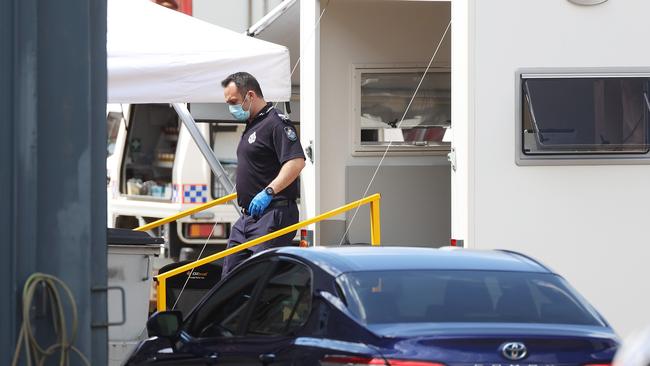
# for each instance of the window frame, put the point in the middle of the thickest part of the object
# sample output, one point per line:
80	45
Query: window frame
558	158
270	264
355	112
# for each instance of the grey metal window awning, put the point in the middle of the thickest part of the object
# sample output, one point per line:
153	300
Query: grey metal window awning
282	26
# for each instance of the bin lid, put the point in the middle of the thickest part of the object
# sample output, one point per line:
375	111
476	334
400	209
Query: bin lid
131	237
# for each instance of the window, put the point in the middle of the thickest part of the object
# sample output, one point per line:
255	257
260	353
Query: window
223	313
463	296
285	301
384	95
225	137
578	116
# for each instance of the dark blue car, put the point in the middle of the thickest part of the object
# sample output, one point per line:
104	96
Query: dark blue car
384	306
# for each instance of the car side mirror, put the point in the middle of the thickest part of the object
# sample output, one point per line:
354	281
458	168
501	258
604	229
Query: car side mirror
164	324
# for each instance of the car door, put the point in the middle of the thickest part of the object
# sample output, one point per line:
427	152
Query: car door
250	319
213	331
281	308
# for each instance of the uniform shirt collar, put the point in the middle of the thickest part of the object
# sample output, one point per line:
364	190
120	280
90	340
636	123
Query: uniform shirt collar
262	113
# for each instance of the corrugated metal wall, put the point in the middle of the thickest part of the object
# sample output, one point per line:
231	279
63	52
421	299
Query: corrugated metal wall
52	159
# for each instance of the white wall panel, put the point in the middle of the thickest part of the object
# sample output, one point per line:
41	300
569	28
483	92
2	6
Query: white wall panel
590	223
366	32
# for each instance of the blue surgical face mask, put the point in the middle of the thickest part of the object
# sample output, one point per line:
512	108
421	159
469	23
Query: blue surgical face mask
238	111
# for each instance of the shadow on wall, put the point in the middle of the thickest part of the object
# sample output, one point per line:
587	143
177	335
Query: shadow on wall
415	205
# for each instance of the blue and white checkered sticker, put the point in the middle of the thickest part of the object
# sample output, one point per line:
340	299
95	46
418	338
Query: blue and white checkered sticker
195	193
175	197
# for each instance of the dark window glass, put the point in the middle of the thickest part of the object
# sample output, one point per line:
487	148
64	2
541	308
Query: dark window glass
222	314
462	296
285	301
585	115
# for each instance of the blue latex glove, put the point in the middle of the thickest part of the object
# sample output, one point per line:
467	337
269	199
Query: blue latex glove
259	203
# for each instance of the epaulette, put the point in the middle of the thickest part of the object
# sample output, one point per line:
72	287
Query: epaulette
284	118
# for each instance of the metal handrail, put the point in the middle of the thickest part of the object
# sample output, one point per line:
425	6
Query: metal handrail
191	211
375	238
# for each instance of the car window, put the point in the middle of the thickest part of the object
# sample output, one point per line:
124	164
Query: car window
222	314
284	302
381	297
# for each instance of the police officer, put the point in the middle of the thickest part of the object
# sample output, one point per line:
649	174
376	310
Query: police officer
269	161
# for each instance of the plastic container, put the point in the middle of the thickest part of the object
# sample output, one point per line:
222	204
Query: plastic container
129	280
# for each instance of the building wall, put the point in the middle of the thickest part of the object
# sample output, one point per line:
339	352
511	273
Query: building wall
388	33
589	223
233	15
52	166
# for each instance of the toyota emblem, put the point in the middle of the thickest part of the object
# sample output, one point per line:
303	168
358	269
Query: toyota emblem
514	351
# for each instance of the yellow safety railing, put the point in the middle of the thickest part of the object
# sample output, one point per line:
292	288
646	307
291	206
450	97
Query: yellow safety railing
191	211
375	238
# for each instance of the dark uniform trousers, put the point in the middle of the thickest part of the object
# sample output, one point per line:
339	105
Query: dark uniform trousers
248	228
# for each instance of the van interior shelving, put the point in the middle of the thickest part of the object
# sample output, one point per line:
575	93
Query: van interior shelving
150	152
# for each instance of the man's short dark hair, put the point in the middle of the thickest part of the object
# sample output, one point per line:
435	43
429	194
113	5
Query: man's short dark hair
245	82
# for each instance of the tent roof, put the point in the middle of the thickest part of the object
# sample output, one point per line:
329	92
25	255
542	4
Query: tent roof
157	55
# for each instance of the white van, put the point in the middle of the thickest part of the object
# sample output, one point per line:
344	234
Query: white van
156	170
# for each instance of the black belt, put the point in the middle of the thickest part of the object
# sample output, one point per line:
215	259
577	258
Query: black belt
283	202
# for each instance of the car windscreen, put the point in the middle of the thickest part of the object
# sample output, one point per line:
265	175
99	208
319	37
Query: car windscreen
431	296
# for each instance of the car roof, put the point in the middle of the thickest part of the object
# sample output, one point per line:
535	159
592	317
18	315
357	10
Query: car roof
337	260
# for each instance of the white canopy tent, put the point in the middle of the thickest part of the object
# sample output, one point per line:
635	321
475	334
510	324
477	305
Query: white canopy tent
157	55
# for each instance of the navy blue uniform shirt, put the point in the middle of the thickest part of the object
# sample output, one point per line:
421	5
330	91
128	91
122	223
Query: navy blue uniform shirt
269	141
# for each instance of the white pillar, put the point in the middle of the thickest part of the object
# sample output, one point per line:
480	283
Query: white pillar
462	113
310	107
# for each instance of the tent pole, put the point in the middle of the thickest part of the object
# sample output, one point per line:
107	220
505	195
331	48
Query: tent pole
205	149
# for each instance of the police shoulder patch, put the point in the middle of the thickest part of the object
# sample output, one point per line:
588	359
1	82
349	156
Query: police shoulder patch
291	133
